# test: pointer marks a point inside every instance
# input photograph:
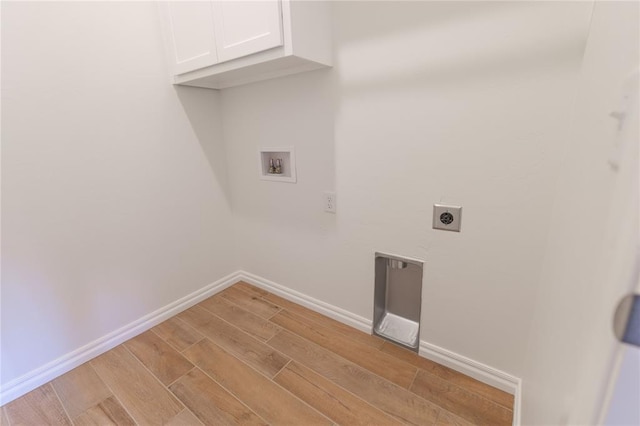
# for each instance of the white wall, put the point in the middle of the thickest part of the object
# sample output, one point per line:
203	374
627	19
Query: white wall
593	240
465	103
114	197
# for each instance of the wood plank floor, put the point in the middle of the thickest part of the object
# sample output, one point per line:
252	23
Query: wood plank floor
245	356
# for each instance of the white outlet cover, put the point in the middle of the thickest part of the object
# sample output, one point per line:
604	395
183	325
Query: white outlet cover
330	202
447	218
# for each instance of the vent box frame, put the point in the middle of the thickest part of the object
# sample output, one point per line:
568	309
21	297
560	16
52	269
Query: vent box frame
398	300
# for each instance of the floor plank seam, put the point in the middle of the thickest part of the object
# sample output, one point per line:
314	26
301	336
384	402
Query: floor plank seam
303	401
186	409
163	339
251	297
232	324
5	415
435	422
452	383
347	391
276	313
337	330
348	360
281	370
237	397
55	392
492	402
113	394
461	414
170	384
190	346
414	379
194	367
239	330
151	372
273	337
180	320
226	390
250	292
265	376
345	360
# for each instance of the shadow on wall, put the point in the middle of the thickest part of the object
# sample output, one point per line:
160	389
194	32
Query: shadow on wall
293	111
202	107
386	18
442	45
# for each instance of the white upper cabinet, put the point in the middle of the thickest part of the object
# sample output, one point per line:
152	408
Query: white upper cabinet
218	44
246	27
191	35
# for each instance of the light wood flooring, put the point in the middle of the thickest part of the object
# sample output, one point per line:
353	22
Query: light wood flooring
245	356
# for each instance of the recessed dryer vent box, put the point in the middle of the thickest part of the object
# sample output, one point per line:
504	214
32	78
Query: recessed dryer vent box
398	300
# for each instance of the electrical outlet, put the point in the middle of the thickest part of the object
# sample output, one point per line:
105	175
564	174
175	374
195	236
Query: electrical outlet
330	202
447	217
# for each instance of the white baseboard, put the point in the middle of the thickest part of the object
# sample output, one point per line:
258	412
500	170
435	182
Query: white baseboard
57	367
460	363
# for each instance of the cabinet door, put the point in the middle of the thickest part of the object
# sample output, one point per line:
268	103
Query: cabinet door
191	34
246	27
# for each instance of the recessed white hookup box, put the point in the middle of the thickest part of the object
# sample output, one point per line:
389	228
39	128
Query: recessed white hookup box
278	164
